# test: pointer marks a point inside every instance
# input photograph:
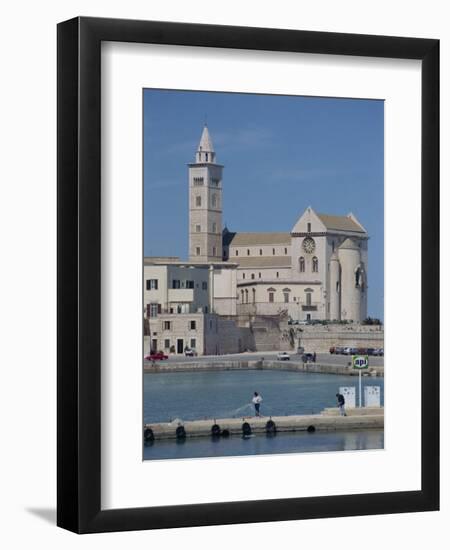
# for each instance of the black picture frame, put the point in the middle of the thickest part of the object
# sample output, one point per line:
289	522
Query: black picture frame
79	277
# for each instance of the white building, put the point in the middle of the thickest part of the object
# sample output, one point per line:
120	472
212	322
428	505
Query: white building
318	270
187	304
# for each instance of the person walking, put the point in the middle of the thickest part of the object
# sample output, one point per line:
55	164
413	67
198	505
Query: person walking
257	399
341	404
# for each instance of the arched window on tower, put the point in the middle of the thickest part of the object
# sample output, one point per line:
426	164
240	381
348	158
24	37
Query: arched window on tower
301	264
315	265
246	296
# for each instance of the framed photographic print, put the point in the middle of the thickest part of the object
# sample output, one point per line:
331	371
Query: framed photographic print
247	235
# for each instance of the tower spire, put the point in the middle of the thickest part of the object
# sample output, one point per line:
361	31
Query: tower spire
205	150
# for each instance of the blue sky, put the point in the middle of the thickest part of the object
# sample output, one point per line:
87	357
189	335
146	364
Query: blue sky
281	154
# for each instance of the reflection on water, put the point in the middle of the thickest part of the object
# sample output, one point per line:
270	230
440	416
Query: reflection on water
300	442
227	394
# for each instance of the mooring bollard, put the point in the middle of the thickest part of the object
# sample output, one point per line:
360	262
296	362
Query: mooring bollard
310	429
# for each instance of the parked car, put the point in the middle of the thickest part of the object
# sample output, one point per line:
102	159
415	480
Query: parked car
370	351
155	356
307	357
378	352
190	352
333	349
339	350
283	356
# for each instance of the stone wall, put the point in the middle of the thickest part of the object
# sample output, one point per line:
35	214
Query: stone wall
320	338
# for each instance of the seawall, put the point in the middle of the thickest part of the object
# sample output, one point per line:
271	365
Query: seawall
203	366
328	420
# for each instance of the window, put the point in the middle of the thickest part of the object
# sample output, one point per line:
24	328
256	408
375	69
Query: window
152	284
309	228
153	310
248	252
237	252
301	264
198	181
198	228
246	296
204	285
243	275
253	275
198	200
285	250
213	200
166	343
273	251
197	251
260	251
176	283
271	296
286	297
189	284
254	295
193	343
308	298
315	265
214	251
242	296
166	325
214	227
206	155
215	182
332	246
278	274
192	325
337	286
259	275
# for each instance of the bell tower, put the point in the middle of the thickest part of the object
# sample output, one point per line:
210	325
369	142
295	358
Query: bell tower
205	203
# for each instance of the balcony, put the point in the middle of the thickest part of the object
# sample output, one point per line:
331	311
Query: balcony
181	295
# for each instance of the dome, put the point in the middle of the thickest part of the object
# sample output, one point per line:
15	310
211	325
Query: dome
349	244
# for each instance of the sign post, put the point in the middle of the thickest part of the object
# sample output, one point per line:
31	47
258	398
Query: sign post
360	362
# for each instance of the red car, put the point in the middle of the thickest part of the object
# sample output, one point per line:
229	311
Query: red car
155	356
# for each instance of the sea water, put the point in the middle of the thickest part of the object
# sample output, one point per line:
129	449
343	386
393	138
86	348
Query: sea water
228	394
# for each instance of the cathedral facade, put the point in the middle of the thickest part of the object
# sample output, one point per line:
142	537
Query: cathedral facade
317	270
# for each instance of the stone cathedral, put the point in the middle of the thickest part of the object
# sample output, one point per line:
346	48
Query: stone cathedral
317	270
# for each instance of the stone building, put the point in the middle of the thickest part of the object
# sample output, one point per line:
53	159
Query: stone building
188	304
317	270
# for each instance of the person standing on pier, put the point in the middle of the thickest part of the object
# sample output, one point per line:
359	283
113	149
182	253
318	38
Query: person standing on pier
257	399
341	404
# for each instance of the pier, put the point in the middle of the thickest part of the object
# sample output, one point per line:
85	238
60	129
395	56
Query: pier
328	420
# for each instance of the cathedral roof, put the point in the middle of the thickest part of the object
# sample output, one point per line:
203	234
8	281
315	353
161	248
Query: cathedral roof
255	239
206	141
341	223
350	244
262	261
